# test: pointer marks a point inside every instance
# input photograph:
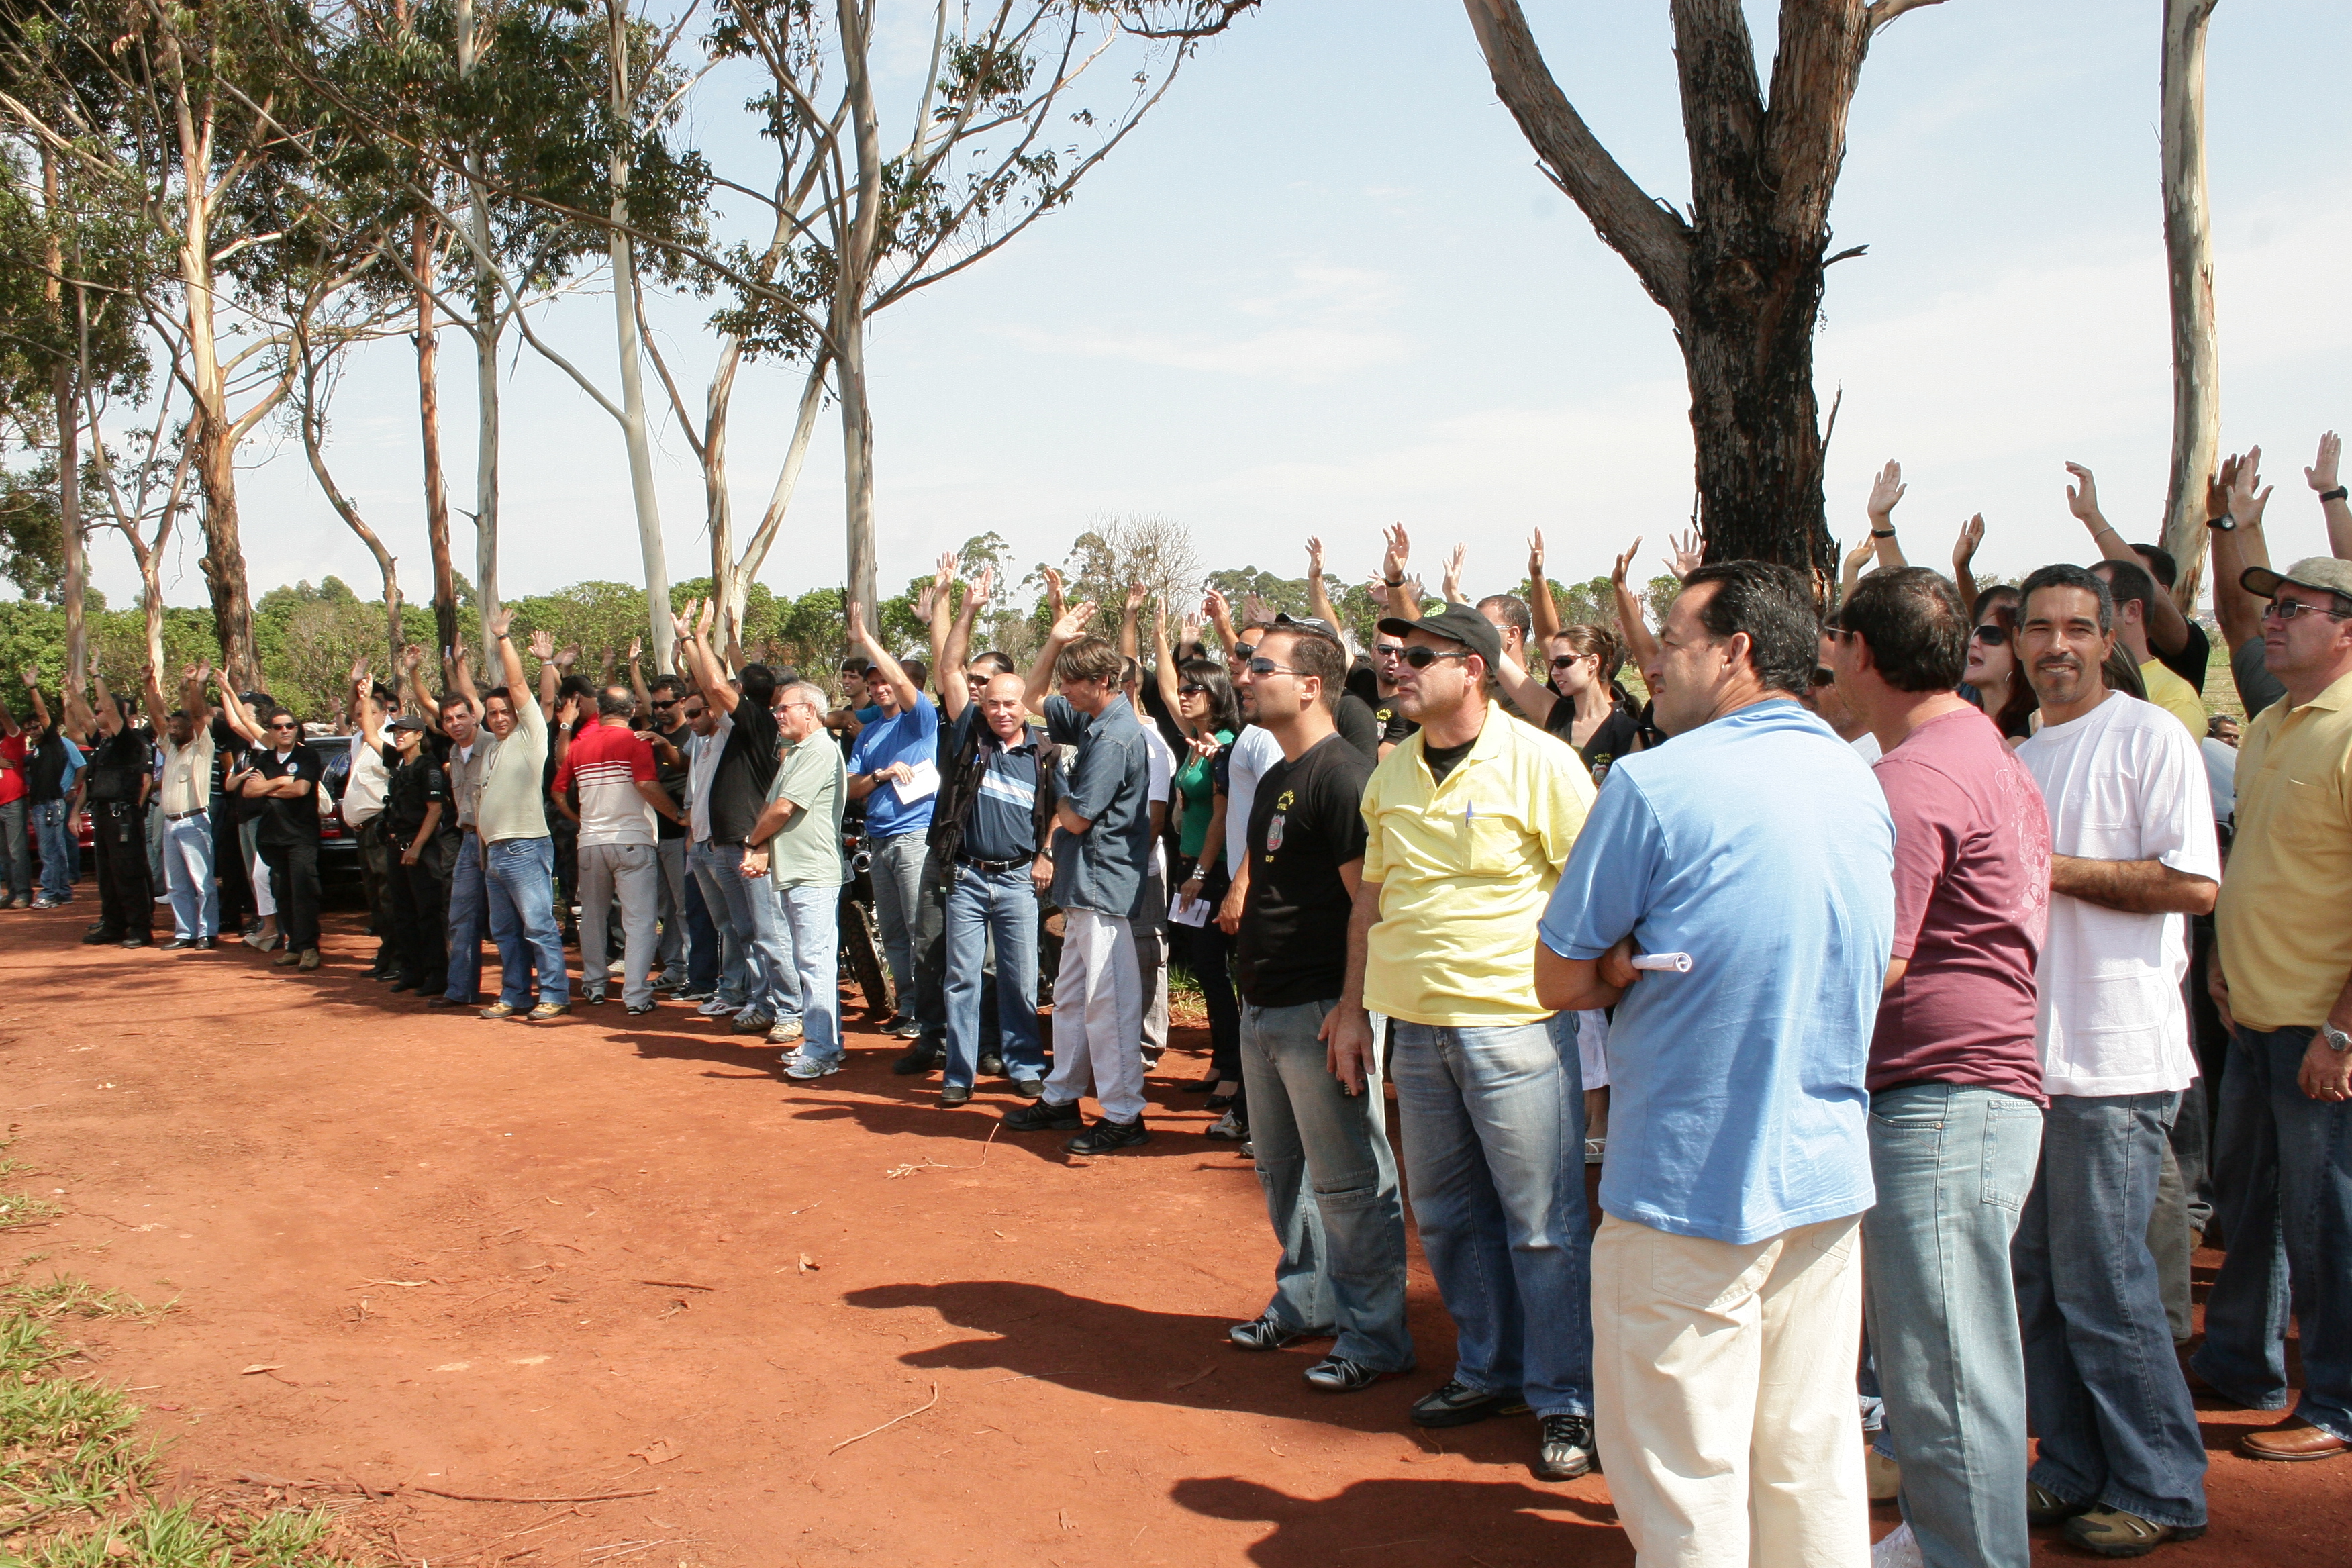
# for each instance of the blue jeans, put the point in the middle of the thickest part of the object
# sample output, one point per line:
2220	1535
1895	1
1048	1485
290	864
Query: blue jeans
1494	1157
49	823
770	984
2283	1184
811	918
15	853
188	867
897	875
709	873
1331	1188
468	899
2103	1389
1953	1165
1002	904
701	939
520	876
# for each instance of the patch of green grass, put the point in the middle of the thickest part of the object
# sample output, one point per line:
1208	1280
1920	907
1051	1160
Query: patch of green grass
24	1208
75	1473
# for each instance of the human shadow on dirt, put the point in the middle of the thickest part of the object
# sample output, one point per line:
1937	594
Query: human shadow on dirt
1407	1522
1114	1351
919	1113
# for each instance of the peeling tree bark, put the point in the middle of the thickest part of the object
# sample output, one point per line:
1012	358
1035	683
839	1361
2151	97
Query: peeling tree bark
428	417
1741	278
2188	250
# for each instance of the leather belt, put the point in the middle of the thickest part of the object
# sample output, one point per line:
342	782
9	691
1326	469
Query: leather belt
184	815
977	864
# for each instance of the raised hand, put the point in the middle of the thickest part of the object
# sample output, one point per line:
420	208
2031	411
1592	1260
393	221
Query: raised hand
946	572
2248	496
1859	557
31	678
411	656
706	615
1136	594
1625	562
1072	626
358	670
199	672
502	621
542	645
1964	549
2321	475
1188	632
567	712
636	646
1313	559
1886	491
856	620
1536	556
2083	499
2217	488
568	658
982	588
924	601
1689	552
680	626
1213	606
1398	552
1453	564
1053	598
1255	611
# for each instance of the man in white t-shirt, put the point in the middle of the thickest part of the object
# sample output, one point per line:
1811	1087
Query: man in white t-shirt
2133	856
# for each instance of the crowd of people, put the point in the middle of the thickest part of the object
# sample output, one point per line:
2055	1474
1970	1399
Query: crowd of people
1927	974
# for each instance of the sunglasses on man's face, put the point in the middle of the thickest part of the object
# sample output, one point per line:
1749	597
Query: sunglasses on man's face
2288	609
1422	658
1823	675
280	725
659	703
1244	650
1386	650
1992	633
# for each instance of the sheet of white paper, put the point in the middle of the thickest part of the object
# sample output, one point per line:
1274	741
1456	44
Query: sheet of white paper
922	787
1188	911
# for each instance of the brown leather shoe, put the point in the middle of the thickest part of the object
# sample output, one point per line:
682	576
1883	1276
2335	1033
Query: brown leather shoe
2297	1439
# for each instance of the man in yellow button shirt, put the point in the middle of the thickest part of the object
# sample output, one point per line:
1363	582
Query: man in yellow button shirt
1469	823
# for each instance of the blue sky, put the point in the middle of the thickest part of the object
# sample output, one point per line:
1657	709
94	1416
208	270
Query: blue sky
1325	289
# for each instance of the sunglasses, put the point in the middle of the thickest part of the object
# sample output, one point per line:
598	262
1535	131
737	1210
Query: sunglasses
1267	667
659	703
1244	650
1422	658
2287	609
1992	635
1566	660
1386	650
1190	690
1823	675
280	725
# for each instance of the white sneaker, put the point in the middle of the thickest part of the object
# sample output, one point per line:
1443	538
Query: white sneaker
800	1067
714	1007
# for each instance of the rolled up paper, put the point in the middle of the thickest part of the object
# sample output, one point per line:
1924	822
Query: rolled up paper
1672	963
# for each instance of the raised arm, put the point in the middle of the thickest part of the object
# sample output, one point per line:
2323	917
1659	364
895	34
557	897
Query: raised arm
108	716
1221	615
879	656
1964	554
1856	559
1886	491
1540	604
1136	594
2168	628
1163	663
637	680
2235	490
1533	698
1640	646
1450	588
2321	477
192	694
509	662
1404	596
33	689
939	612
1066	629
694	641
151	695
552	668
240	717
950	657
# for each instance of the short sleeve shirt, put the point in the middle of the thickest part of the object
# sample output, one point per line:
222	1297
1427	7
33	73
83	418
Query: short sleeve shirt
607	762
13	752
294	820
1761	845
2189	663
1108	783
415	786
2284	920
747	766
1971	907
2124	782
911	737
508	802
806	851
1305	823
1254	752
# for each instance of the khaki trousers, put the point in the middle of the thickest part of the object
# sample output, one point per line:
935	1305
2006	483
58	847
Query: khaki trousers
1723	1396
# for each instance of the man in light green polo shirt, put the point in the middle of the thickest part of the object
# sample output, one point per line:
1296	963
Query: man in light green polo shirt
796	845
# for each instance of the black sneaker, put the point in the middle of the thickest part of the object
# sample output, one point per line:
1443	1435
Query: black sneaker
1029	1088
955	1094
992	1066
1458	1405
917	1061
1263	1334
1337	1374
1567	1449
1108	1137
903	1027
1044	1116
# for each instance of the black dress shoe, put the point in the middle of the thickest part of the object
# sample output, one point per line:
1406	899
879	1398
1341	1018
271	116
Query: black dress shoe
1219	1102
134	940
992	1066
180	944
1028	1087
1044	1116
401	983
917	1061
1206	1084
205	944
1108	1137
94	937
955	1094
1456	1404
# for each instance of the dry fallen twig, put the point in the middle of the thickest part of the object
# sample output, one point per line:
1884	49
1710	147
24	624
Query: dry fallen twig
255	1478
845	1442
677	1285
984	1148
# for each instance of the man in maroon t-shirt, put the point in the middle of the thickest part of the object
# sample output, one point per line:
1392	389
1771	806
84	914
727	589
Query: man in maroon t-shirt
1955	1075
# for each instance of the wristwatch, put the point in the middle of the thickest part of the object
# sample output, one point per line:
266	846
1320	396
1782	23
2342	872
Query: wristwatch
1881	533
2224	523
2337	1041
2338	493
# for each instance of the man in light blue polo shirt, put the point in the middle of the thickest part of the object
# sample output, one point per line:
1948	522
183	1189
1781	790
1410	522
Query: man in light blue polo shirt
1726	1274
894	771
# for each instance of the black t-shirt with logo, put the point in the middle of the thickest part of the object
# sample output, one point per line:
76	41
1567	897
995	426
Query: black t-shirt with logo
294	820
747	766
1357	724
1395	728
672	780
1611	742
1305	823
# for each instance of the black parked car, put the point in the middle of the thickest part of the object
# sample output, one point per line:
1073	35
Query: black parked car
339	847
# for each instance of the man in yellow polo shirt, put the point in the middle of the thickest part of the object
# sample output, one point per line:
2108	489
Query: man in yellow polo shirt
2135	594
2283	1174
1469	823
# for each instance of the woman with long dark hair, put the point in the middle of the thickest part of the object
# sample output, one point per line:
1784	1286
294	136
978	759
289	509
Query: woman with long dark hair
1201	694
1996	683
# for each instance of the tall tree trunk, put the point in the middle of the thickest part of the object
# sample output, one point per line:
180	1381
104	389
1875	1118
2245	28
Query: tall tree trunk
65	391
857	462
625	326
486	329
428	415
2188	250
856	257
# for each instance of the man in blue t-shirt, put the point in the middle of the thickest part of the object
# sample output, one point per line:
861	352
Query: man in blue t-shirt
1726	1277
894	770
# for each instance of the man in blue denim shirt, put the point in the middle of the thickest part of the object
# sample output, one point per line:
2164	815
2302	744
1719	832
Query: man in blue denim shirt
1726	1275
1102	838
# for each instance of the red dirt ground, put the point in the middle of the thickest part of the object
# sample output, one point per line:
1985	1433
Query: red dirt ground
462	1250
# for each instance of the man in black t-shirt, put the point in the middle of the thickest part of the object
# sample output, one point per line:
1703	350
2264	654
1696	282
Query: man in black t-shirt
280	789
1322	1148
668	731
1395	729
120	779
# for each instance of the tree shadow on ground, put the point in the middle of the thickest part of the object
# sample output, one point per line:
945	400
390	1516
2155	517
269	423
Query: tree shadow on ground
1409	1523
1113	1351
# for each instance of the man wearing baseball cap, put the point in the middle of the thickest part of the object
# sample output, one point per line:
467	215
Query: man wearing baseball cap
2283	1174
1468	824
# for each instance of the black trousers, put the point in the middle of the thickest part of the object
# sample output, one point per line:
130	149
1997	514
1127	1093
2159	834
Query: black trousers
228	866
294	883
376	856
126	894
1208	953
416	910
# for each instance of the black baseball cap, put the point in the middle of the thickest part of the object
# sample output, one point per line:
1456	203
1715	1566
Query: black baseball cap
1286	621
408	722
1455	623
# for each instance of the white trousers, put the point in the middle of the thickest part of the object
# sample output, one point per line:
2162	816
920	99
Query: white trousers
1098	1017
1723	1396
